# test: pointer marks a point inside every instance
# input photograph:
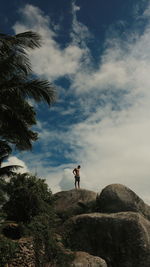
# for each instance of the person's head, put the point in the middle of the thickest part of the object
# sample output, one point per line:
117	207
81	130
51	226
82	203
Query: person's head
79	166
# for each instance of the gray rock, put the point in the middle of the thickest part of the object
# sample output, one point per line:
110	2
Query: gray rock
121	239
72	202
83	259
117	198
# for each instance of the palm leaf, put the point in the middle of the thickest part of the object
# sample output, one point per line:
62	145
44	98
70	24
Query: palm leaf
27	39
15	129
12	52
9	170
4	148
39	90
3	158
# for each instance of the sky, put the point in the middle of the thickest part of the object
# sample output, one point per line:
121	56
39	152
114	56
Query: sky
97	54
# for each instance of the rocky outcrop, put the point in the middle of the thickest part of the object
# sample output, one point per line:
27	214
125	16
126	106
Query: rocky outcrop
117	198
118	235
83	259
121	239
80	258
72	202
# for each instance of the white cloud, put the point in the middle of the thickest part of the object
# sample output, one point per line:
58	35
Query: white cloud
115	150
79	32
54	176
112	145
66	182
50	60
12	160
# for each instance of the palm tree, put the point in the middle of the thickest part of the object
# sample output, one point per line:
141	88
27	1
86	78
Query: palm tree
18	84
5	151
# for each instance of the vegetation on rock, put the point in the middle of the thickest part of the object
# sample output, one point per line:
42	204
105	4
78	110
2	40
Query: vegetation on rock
8	248
30	204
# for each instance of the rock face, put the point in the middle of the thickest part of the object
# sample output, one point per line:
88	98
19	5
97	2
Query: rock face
117	197
121	239
83	259
68	203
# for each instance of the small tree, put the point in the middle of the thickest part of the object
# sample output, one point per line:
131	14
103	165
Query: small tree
8	249
29	196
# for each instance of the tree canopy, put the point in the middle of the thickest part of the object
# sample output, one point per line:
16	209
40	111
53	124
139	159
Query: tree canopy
28	195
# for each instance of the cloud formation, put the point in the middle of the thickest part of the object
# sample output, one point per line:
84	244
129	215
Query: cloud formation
16	161
50	60
112	140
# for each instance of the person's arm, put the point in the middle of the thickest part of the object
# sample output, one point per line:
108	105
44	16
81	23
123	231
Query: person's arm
74	171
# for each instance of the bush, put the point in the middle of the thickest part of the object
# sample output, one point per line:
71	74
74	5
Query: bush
28	197
7	250
46	247
30	204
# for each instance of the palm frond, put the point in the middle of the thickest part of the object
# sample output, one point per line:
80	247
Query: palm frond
2	158
15	129
15	62
28	39
9	170
5	150
16	108
39	90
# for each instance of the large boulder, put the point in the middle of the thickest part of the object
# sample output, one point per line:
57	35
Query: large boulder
83	259
72	202
121	239
117	198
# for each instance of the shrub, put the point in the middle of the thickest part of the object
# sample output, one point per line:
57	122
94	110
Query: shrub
30	203
7	250
28	197
46	247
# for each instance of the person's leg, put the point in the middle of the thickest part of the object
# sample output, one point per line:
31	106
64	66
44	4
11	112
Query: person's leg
75	183
78	183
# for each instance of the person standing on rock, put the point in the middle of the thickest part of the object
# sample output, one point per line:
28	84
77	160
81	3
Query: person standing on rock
76	173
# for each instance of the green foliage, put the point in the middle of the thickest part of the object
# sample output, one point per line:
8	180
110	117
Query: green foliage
31	204
17	85
2	191
7	250
46	247
8	171
28	197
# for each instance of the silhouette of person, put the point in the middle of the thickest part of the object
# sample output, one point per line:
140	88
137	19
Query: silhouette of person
76	173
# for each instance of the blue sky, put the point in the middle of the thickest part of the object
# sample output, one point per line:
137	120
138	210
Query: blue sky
97	53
